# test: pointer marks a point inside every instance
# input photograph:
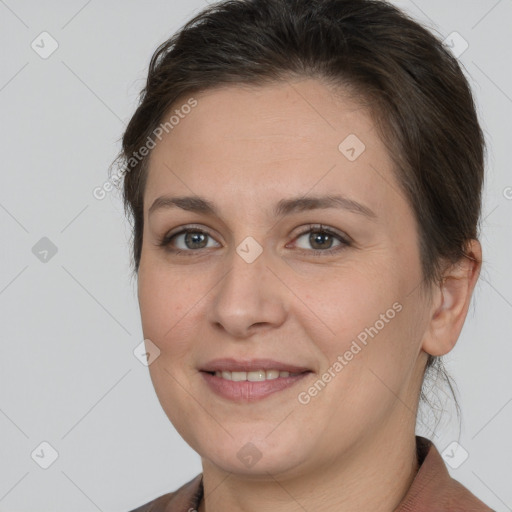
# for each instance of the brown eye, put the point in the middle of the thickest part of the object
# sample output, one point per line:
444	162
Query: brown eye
195	240
187	240
320	240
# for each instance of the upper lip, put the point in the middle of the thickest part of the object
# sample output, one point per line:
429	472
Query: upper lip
247	365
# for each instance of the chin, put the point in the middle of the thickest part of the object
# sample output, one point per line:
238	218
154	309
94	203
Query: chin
256	455
264	469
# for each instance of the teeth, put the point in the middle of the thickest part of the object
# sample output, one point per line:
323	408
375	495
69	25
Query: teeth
254	376
238	376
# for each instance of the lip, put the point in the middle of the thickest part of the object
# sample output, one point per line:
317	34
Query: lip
249	391
238	365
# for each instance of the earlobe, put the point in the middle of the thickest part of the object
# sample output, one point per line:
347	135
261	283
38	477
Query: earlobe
451	304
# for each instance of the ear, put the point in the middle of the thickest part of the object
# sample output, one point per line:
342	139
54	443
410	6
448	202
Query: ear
451	301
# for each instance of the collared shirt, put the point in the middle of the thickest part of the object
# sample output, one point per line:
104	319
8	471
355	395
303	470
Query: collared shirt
432	490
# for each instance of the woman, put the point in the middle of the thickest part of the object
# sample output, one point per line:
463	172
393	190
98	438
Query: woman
305	183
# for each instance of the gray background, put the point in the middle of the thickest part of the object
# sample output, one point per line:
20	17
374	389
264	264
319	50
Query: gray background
69	325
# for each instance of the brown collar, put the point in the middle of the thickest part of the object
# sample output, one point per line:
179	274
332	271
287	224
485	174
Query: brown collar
432	489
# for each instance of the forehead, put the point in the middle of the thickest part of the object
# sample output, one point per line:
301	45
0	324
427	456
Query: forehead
255	143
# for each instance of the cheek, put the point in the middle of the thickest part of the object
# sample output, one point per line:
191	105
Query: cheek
348	305
367	330
165	303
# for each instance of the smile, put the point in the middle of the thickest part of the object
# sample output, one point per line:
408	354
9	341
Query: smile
246	387
254	376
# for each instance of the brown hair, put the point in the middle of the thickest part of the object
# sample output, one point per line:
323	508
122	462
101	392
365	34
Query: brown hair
418	95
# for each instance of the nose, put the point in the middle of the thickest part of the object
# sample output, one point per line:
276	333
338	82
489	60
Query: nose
248	299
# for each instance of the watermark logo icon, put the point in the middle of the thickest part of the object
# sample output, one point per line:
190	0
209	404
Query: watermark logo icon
44	45
44	455
249	455
44	250
454	455
456	44
249	250
352	147
146	352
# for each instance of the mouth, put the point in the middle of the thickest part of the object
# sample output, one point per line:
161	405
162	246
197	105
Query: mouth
253	376
248	381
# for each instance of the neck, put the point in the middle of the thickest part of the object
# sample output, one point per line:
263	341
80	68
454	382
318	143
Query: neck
371	476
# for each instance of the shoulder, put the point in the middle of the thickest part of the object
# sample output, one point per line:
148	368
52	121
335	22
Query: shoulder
182	500
434	489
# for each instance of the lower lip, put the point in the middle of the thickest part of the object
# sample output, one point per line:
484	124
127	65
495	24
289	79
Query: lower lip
247	391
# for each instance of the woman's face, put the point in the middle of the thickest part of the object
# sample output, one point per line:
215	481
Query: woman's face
252	289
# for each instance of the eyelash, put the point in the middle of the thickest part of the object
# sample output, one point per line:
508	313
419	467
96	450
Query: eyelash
319	228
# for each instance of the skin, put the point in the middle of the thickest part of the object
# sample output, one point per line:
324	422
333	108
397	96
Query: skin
352	447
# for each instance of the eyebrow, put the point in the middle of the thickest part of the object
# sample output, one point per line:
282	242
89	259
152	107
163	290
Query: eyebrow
282	208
